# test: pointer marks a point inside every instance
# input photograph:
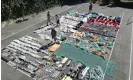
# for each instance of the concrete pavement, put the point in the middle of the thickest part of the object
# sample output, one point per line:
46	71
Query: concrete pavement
121	53
131	56
9	73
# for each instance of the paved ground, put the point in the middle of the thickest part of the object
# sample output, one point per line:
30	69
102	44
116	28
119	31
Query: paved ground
122	49
9	73
121	54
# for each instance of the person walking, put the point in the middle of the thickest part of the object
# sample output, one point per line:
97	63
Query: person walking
48	18
90	7
57	20
53	34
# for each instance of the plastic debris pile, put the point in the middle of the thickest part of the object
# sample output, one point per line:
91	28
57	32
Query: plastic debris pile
103	25
84	38
22	54
94	74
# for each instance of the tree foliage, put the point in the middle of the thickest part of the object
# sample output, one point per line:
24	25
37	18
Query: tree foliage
12	9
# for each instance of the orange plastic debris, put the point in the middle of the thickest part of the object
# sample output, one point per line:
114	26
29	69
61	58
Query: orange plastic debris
54	47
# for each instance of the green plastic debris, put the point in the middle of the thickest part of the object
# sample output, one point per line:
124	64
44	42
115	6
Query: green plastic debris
103	49
83	45
96	47
110	43
71	12
101	39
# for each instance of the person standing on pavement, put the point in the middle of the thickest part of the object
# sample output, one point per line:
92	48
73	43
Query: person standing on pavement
53	34
57	20
48	18
90	7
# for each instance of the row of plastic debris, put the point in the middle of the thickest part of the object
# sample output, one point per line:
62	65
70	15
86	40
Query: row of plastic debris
19	53
94	74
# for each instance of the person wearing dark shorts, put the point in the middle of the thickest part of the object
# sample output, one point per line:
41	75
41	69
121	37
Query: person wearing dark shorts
90	7
48	18
53	34
57	20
